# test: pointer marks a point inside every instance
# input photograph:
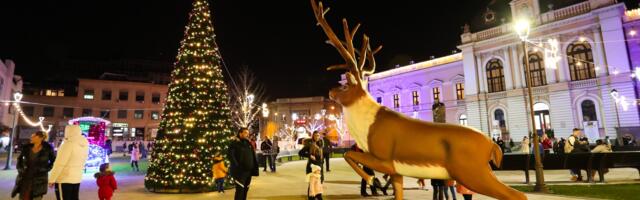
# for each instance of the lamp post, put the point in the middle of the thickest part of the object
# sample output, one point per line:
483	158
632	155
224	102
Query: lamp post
614	96
17	97
522	28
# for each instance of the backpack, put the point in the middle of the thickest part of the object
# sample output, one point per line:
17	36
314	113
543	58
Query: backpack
568	147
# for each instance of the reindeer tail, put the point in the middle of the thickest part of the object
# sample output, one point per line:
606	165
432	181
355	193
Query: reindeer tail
496	155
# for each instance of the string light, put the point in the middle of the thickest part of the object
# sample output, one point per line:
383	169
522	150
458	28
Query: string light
16	105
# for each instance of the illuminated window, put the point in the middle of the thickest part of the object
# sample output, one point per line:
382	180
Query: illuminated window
88	94
459	91
538	76
495	76
580	60
416	98
396	101
155	115
436	94
138	114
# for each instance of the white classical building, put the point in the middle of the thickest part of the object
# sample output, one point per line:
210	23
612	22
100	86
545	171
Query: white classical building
580	51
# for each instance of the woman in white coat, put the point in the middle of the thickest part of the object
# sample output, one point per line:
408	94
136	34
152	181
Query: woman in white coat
66	174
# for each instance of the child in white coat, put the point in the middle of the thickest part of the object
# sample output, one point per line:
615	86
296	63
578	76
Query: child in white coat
315	183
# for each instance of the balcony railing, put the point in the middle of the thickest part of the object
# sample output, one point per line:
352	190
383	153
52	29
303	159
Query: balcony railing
584	83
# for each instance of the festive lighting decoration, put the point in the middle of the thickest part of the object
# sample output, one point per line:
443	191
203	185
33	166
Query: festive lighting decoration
633	32
552	54
620	100
16	104
94	129
636	73
196	122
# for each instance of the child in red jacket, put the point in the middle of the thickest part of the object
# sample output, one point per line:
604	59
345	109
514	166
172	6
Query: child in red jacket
106	182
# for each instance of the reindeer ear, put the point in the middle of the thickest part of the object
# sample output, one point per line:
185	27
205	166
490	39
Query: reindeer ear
351	80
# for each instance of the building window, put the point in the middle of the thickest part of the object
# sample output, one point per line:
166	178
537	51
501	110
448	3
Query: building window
106	95
396	101
124	95
459	91
138	114
87	112
47	111
495	76
463	120
140	96
588	111
155	98
88	94
105	114
436	94
498	115
580	60
536	67
379	100
67	112
28	110
122	114
155	115
54	93
416	98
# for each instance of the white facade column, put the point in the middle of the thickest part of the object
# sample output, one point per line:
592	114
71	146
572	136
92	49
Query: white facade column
470	72
613	38
517	68
598	54
508	66
551	70
482	75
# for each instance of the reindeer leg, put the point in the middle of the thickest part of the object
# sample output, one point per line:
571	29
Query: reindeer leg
366	159
482	180
397	186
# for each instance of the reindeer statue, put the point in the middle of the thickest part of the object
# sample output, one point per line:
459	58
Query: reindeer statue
400	146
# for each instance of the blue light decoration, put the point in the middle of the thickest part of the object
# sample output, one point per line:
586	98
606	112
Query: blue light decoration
94	129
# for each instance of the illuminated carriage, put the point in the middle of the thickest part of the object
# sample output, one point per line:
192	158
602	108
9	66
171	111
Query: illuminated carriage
94	129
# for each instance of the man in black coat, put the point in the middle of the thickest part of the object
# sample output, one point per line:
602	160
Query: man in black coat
326	150
243	163
269	153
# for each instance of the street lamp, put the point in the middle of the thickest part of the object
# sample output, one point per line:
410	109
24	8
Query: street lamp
614	96
265	110
523	28
17	97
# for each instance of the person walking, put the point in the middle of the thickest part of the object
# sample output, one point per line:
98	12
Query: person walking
243	163
450	186
525	145
315	184
66	174
466	193
438	189
106	182
124	148
34	163
135	157
305	152
268	153
219	172
326	150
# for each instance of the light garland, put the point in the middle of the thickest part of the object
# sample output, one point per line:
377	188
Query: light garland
16	104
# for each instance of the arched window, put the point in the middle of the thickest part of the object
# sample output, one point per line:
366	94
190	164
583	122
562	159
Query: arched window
536	67
580	60
495	76
588	111
498	115
462	119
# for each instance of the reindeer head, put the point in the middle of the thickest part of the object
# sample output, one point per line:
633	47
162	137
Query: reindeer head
358	64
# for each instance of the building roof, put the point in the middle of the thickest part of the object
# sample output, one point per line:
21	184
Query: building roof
418	66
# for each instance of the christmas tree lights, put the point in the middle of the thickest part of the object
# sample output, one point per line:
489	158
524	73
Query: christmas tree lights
196	121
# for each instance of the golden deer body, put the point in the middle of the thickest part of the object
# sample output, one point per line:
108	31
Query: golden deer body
400	146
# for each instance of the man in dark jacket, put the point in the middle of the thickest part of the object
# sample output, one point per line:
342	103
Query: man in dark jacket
269	153
326	150
243	163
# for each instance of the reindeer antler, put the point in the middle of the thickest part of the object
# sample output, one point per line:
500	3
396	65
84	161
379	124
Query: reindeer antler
346	48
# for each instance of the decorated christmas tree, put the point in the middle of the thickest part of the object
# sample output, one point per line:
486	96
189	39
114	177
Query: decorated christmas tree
196	120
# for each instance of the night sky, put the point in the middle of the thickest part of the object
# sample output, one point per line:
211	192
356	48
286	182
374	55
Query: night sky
277	40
